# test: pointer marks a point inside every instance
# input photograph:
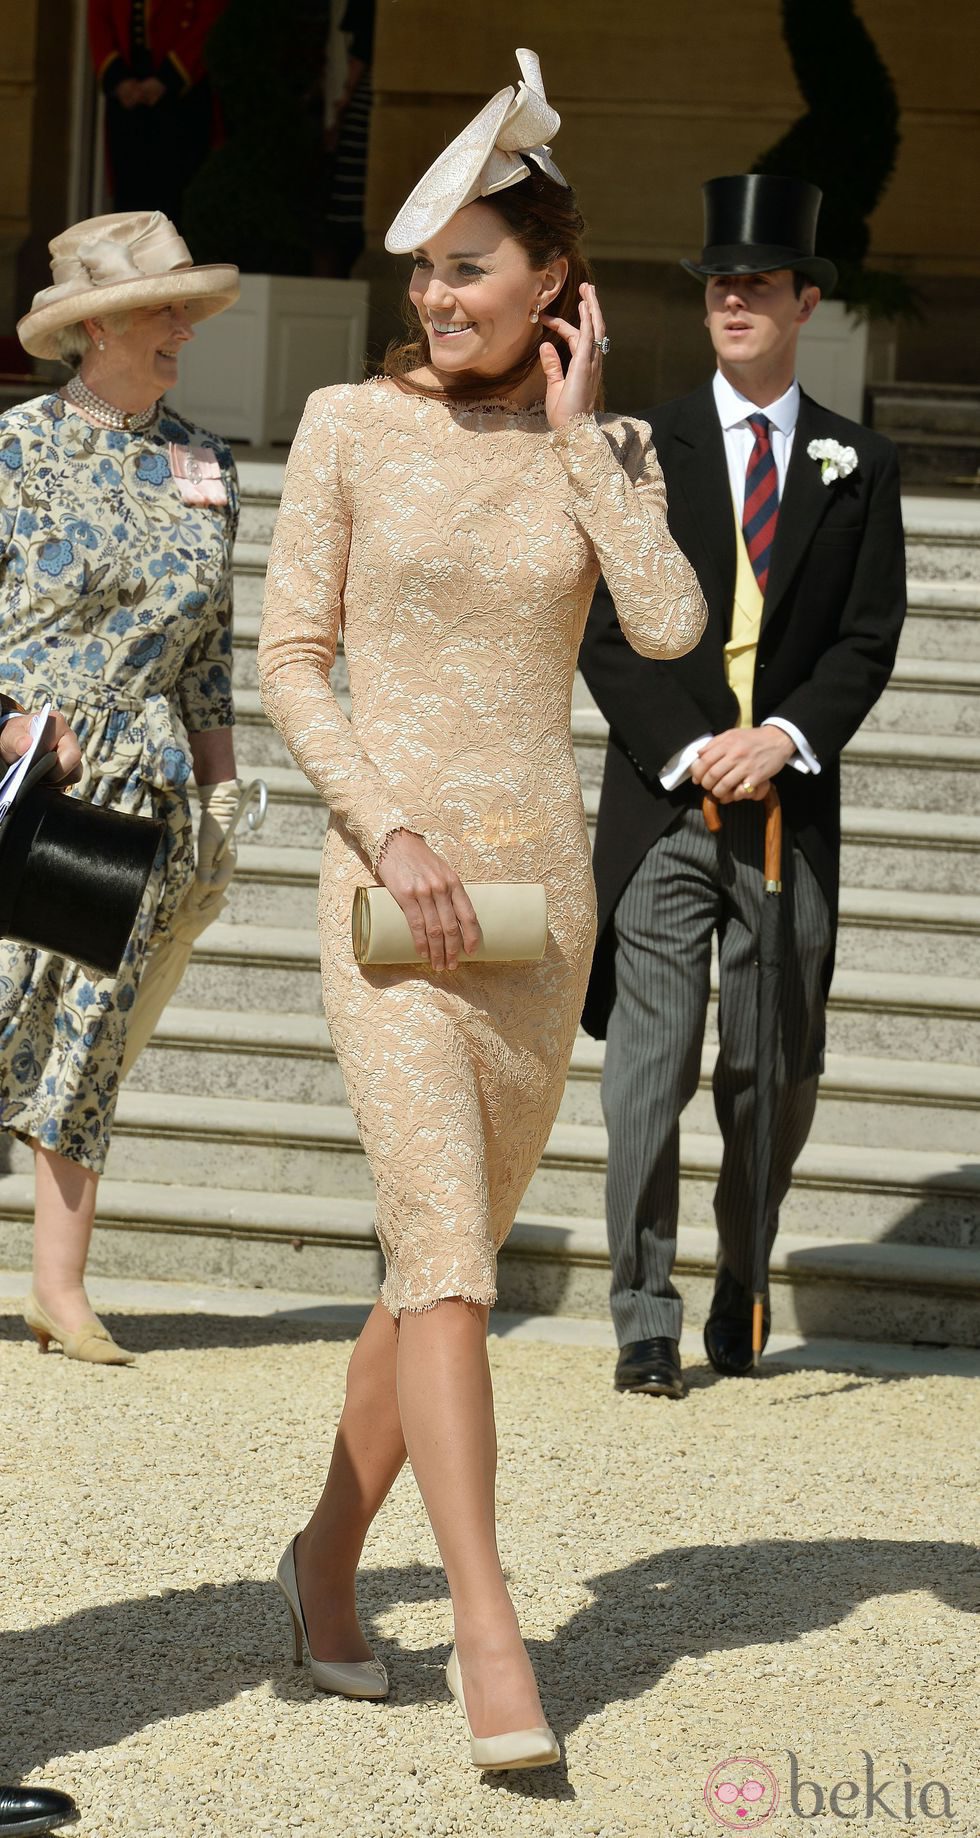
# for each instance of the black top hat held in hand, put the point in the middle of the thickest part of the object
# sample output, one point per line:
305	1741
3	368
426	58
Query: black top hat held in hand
755	222
72	874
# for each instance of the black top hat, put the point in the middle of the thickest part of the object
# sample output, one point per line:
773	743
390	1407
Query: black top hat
755	222
72	874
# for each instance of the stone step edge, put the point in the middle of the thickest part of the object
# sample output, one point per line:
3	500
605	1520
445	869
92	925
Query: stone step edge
862	906
955	675
299	1219
259	1121
945	599
925	514
953	440
866	822
287	946
889	391
270	1032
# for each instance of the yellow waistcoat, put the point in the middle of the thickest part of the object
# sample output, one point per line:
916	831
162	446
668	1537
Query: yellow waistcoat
746	622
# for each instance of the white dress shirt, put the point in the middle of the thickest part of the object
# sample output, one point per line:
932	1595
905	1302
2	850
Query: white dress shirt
734	410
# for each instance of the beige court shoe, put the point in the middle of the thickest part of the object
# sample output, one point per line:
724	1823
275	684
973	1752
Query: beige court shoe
362	1678
534	1748
93	1342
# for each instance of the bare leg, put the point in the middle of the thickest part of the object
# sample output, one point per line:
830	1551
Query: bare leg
446	1403
64	1210
368	1454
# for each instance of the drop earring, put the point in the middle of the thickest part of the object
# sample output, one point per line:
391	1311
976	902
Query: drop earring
100	343
534	315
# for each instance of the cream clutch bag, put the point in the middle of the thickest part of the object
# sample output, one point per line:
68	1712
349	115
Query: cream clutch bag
513	920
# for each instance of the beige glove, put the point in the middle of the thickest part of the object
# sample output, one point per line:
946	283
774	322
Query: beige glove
218	806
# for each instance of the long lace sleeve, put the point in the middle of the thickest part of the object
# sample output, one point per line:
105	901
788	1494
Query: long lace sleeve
620	501
300	622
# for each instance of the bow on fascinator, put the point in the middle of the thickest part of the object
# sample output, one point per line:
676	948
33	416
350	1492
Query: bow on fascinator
490	154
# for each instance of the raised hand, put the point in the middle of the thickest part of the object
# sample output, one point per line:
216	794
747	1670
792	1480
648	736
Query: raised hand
432	897
577	392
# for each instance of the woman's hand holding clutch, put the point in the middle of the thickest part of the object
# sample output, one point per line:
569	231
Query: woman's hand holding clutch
432	897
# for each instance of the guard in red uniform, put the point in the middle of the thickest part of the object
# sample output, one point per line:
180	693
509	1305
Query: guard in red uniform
149	56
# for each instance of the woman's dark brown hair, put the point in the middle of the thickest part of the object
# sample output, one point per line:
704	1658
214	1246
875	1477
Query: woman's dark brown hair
545	219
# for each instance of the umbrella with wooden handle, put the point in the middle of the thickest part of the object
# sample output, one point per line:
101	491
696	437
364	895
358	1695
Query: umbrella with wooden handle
769	959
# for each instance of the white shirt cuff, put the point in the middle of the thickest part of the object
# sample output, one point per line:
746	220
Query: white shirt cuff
804	759
678	767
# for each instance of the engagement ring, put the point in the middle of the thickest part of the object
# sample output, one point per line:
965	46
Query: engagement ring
600	344
747	785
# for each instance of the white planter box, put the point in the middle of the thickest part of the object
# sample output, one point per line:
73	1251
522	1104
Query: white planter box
248	371
832	359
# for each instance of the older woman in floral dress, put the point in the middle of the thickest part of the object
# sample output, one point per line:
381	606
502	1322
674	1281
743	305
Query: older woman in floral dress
117	518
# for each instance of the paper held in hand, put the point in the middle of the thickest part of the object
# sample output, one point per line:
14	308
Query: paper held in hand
14	777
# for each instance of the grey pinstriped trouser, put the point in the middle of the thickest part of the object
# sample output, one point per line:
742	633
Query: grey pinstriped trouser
690	885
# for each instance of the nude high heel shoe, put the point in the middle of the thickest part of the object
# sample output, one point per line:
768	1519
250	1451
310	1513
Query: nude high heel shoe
93	1342
363	1678
534	1748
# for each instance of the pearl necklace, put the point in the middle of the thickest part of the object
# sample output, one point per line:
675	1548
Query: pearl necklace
105	413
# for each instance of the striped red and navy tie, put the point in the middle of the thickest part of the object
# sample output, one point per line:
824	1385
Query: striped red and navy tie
761	500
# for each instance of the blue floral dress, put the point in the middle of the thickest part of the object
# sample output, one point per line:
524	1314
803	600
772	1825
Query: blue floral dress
115	604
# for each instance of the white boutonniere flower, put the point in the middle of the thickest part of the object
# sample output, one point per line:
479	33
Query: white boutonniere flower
836	462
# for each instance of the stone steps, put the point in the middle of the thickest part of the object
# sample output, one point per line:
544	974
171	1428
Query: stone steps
942	538
936	458
878	1290
927	695
258	1053
905	1195
927	1017
273	888
943	619
881	848
950	408
886	767
936	430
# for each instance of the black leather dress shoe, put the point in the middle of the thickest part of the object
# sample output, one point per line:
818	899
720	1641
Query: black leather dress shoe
728	1329
24	1810
651	1365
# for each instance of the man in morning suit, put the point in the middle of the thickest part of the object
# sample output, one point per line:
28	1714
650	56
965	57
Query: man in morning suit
804	575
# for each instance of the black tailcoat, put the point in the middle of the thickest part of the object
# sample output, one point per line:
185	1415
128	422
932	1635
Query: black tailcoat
833	612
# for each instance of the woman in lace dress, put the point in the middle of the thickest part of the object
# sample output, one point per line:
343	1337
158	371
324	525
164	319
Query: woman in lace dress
453	517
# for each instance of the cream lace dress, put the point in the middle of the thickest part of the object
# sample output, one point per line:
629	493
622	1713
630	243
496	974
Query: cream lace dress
459	549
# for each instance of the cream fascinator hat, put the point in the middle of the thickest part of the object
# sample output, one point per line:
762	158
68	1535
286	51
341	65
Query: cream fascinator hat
111	264
489	155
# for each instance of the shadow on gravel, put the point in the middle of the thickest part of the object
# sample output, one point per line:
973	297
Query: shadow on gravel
187	1332
89	1681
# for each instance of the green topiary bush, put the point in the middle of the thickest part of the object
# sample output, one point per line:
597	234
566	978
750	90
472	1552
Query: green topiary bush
847	143
254	200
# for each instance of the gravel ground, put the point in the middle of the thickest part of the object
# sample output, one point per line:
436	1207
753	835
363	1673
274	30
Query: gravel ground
769	1567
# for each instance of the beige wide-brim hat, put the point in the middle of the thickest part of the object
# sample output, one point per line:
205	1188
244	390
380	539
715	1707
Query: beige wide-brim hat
113	264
